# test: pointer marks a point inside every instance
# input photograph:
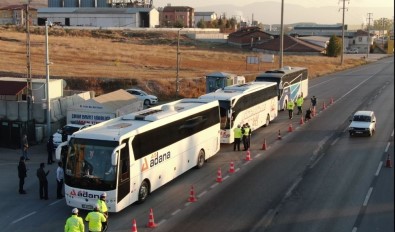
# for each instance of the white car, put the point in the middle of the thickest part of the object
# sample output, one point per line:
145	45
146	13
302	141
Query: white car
143	96
363	122
353	51
67	130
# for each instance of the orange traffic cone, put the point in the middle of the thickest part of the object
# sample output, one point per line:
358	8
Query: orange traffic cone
192	197
264	146
134	226
232	167
331	102
151	223
290	128
279	135
323	106
388	164
301	120
248	155
219	175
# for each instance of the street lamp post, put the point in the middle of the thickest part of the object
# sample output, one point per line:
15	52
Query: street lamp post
47	63
178	62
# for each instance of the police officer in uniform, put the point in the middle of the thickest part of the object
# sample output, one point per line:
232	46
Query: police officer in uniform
95	220
103	209
299	104
290	108
238	135
246	136
74	223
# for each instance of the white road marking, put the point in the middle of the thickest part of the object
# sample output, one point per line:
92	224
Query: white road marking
379	168
202	194
334	142
20	219
365	203
289	192
214	185
386	148
176	212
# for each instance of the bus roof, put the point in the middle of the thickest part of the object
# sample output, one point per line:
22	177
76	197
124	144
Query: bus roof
280	72
137	122
233	91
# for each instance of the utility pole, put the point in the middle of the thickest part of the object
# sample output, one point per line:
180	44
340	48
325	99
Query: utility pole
178	63
368	43
29	68
47	63
383	34
344	9
281	36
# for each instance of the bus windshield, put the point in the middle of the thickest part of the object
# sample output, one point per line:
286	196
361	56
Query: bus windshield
88	165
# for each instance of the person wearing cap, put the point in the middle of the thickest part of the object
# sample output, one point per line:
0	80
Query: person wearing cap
103	209
22	170
237	136
95	219
74	223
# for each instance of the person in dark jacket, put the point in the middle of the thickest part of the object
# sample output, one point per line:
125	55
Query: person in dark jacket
42	177
50	149
22	170
308	115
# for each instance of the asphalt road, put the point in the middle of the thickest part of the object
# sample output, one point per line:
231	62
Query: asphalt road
314	179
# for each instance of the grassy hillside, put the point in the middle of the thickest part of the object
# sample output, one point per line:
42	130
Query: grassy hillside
104	61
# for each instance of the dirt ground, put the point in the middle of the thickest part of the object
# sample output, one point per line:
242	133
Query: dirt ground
103	60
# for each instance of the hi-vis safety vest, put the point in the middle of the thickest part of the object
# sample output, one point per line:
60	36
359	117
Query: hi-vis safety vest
290	105
74	224
246	131
95	220
299	101
238	133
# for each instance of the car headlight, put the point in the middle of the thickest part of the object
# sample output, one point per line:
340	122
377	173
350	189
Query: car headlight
351	128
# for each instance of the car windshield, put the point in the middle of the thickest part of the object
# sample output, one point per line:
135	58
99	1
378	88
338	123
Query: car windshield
142	92
69	130
361	118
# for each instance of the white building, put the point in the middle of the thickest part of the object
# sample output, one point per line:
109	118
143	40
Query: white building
204	16
100	17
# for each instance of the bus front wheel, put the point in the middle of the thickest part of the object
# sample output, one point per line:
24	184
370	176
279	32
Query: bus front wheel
143	192
201	159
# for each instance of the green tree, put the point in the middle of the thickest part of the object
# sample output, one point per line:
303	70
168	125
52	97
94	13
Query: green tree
233	22
201	24
334	47
383	24
179	24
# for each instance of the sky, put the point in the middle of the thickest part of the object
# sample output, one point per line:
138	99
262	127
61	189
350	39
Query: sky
355	14
305	3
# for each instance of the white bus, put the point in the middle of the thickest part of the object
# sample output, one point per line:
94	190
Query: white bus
291	82
254	103
131	156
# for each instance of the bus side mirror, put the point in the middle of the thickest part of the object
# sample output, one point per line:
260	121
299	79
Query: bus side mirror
114	158
115	154
58	151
